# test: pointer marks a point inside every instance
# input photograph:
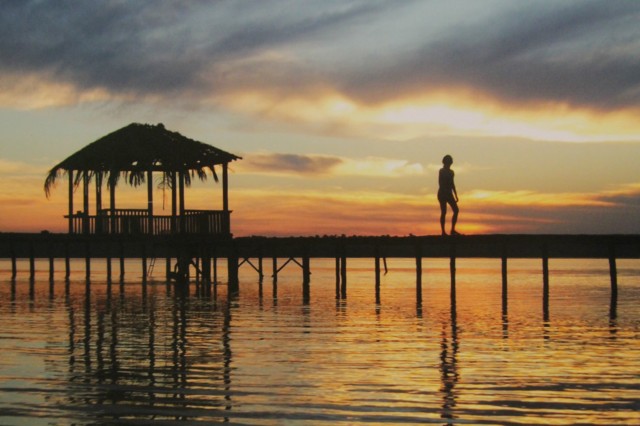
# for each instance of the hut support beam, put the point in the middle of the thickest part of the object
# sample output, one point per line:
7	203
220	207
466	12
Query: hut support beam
85	202
70	201
150	200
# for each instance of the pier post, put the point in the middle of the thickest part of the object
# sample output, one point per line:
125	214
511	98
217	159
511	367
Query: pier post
337	278
260	273
51	263
613	272
232	267
377	266
419	279
306	279
275	269
87	261
32	263
545	287
167	268
67	262
121	261
14	266
109	267
504	286
343	276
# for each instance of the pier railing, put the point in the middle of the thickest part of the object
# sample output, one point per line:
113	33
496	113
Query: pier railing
138	222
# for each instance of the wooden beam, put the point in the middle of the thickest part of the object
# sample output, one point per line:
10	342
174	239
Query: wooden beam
150	200
71	201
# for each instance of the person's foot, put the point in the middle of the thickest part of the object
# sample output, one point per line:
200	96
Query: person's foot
444	234
453	232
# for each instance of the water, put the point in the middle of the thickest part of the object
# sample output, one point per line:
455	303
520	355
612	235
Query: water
131	354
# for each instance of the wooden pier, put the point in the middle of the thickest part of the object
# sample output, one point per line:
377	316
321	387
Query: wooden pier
204	251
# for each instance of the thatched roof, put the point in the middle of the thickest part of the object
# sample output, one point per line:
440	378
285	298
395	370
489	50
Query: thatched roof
137	148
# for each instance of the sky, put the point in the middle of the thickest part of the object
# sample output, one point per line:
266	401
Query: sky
341	110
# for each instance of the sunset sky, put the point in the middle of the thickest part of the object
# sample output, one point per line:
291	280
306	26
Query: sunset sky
341	110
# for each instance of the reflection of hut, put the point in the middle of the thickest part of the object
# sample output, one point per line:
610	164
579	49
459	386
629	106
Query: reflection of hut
134	153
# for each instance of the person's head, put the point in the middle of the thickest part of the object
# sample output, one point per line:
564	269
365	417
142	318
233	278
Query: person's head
447	160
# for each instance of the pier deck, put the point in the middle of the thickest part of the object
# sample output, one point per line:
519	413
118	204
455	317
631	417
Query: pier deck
47	245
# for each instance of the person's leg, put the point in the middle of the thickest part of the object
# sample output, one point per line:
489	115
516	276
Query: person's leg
443	214
454	218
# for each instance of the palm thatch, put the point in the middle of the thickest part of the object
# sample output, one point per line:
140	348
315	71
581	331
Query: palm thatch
134	150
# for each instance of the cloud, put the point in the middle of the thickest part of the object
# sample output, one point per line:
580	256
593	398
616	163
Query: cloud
289	163
325	165
578	53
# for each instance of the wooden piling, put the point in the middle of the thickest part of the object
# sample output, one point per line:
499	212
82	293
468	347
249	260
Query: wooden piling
419	279
343	277
87	261
232	268
14	266
51	264
67	262
122	261
306	272
545	287
338	263
32	263
377	268
504	285
275	269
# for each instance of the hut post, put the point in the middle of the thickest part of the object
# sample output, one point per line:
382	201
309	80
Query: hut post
71	201
182	218
150	200
98	202
85	202
225	198
112	205
174	204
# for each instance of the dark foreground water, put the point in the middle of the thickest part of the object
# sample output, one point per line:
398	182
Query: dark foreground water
134	354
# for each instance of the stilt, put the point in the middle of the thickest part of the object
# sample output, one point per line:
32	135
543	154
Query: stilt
504	285
377	266
32	263
109	268
14	265
306	273
232	268
613	272
338	263
87	261
545	287
121	261
419	280
144	267
51	264
275	270
167	268
67	262
260	274
343	276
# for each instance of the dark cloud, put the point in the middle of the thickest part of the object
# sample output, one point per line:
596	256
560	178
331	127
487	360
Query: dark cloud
582	53
579	52
291	163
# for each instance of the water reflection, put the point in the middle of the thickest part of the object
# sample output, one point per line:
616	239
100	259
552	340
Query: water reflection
158	353
449	366
133	357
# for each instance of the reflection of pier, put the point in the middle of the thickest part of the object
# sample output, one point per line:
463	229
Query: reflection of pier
204	252
130	360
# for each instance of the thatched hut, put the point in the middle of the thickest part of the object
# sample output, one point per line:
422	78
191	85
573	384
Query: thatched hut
134	154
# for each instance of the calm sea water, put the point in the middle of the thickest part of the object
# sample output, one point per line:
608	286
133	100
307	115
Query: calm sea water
133	354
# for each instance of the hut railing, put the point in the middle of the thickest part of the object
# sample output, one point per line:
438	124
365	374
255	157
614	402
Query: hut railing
136	222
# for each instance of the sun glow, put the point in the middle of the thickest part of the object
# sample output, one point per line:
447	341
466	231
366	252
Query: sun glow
450	112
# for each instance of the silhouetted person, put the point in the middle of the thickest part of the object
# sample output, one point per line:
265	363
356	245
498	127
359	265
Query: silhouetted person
447	194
